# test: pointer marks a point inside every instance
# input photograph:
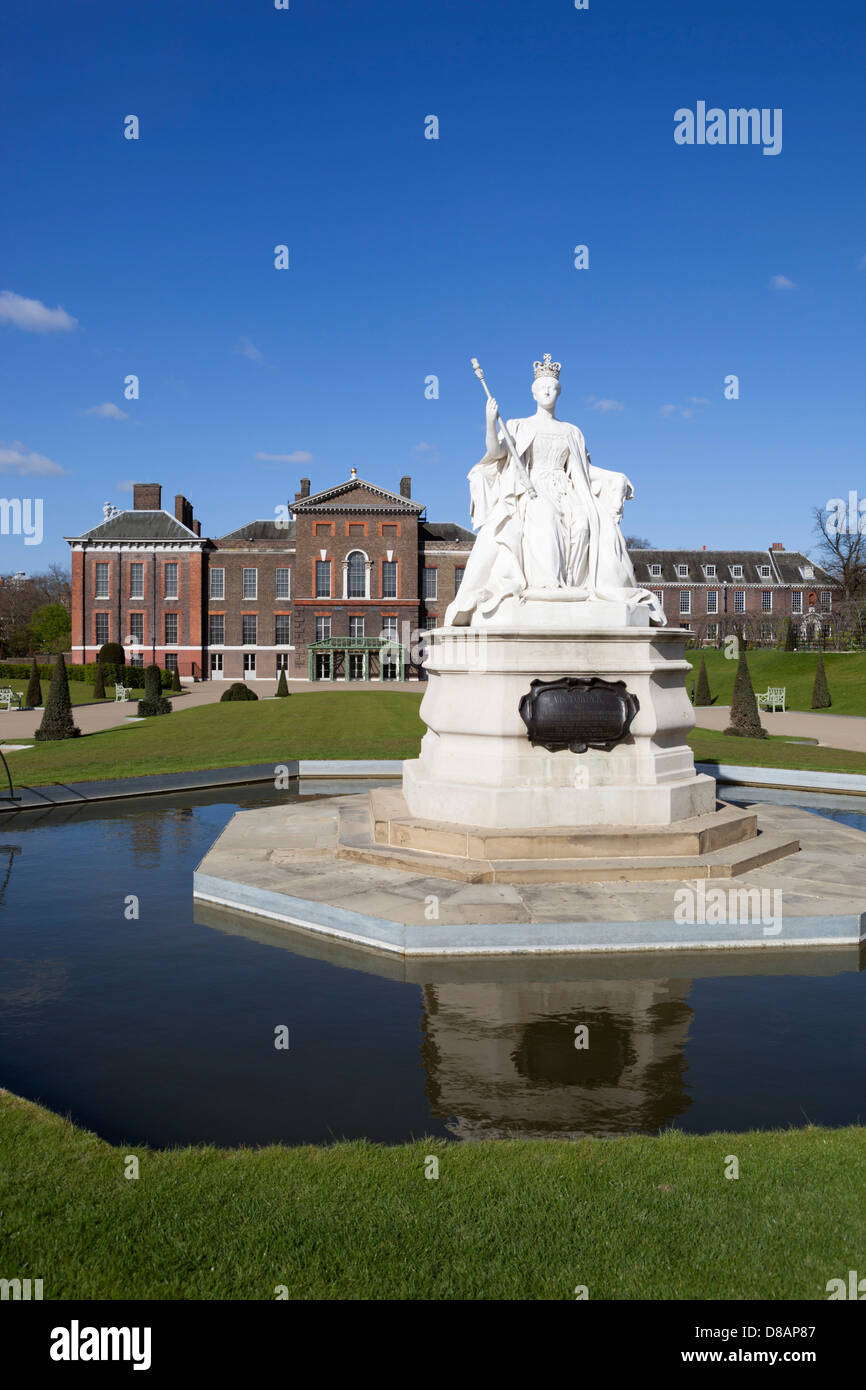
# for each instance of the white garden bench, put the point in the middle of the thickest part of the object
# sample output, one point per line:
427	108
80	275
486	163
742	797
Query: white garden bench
122	692
10	698
772	697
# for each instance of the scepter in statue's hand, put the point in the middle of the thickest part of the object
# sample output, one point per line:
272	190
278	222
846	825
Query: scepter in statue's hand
509	442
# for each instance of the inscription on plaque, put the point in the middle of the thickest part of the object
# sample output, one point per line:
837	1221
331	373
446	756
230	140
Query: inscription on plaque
578	712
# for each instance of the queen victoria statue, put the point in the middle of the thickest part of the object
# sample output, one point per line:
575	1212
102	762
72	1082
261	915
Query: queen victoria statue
548	522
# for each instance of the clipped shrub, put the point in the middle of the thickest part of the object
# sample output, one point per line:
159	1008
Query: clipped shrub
175	680
703	695
154	701
790	637
57	721
820	693
745	719
282	687
99	683
238	691
111	654
33	698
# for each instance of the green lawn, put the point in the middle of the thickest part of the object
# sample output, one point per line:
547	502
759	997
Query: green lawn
332	724
712	746
80	692
632	1218
846	676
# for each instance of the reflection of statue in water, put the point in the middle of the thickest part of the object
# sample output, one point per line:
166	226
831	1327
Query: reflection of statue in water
547	519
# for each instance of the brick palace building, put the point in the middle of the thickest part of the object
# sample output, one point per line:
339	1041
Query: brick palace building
340	588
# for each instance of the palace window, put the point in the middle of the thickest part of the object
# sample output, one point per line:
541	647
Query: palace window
389	630
136	628
282	630
459	572
283	587
712	600
389	579
685	600
682	571
739	600
710	571
171	661
766	632
736	571
171	629
170	580
216	629
250	583
430	582
323	579
136	659
356	627
807	572
655	571
218	583
249	629
357	528
712	631
826	601
766	600
356	574
101	590
101	628
390	529
136	581
323	629
764	571
282	661
660	595
796	602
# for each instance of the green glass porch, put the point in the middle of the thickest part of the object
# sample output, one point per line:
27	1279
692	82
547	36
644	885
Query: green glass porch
340	650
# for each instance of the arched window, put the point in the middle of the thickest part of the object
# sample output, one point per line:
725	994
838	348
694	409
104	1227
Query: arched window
356	574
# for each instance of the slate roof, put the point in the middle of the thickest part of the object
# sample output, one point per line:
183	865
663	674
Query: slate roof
784	567
443	531
138	526
264	530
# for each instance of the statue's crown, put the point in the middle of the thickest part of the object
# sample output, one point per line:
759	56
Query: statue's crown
547	368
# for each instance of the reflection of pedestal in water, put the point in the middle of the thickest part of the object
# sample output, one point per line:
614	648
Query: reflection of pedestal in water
501	1057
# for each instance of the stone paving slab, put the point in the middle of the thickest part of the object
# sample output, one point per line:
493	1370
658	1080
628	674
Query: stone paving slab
411	914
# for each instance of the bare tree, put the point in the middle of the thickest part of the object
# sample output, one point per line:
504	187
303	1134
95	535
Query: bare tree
842	553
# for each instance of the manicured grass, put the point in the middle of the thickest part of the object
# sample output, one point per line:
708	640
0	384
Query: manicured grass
712	746
80	692
338	724
632	1218
846	676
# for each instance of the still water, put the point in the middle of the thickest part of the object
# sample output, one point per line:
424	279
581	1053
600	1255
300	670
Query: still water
160	1030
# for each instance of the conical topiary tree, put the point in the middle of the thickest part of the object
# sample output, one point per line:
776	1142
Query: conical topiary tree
820	693
702	694
33	698
790	637
99	682
745	720
57	721
154	701
282	687
175	680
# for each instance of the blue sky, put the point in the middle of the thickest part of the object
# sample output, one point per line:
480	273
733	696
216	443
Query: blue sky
408	256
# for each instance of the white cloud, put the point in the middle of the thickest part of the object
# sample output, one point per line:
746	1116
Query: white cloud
861	264
423	448
299	456
245	348
33	316
14	458
699	400
606	405
781	282
668	410
126	486
107	410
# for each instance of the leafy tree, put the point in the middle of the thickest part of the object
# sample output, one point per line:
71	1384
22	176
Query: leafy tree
745	719
50	629
282	687
33	698
820	693
57	721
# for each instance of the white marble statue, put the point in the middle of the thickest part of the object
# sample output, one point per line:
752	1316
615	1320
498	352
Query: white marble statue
546	518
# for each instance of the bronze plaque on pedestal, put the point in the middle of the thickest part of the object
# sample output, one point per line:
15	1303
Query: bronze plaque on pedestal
578	712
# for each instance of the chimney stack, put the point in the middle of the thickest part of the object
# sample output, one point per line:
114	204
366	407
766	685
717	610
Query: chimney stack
405	487
778	545
183	511
305	487
196	526
147	497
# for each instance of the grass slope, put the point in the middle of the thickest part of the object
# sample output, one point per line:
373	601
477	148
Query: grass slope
846	676
80	692
712	746
338	724
532	1219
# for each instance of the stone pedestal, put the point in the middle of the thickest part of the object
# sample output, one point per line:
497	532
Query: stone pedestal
477	766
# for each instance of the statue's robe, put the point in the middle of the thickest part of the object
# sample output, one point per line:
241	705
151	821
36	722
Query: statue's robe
496	567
